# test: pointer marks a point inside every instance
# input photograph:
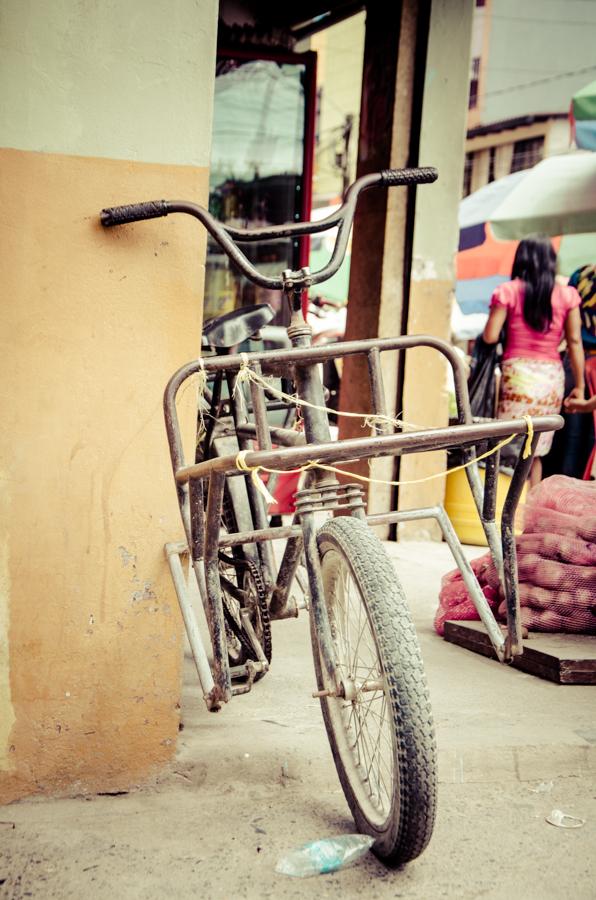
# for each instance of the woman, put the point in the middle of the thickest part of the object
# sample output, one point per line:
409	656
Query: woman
536	312
584	279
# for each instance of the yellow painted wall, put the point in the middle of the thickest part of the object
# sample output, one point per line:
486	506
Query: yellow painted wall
93	323
340	50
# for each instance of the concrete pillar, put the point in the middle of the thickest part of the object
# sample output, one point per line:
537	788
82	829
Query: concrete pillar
104	103
442	138
395	41
414	107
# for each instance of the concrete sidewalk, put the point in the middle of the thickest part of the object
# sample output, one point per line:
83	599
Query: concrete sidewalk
493	720
257	780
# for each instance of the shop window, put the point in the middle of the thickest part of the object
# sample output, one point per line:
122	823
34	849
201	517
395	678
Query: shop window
527	153
468	169
491	164
474	78
261	168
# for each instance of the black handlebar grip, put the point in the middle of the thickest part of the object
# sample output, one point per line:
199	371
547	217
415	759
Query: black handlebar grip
135	212
425	175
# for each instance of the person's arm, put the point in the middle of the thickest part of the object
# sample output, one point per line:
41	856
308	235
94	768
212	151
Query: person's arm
573	405
575	352
494	325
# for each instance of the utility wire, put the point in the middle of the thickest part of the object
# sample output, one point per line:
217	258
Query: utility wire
541	21
527	84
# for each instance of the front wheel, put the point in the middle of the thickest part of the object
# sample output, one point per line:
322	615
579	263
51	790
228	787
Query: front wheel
379	722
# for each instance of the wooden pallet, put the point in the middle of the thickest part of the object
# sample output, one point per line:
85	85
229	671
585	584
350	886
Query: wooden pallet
562	658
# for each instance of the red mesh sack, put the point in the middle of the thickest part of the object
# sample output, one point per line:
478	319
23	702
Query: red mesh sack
556	559
455	602
561	611
562	505
565	495
566	548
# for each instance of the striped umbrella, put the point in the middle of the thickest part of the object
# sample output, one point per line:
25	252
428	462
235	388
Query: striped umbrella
483	262
556	196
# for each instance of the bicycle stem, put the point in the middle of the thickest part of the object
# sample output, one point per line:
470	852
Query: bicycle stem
308	382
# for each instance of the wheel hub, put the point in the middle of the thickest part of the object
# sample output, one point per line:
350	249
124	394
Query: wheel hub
350	689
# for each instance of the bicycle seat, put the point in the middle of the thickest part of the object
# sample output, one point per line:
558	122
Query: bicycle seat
237	326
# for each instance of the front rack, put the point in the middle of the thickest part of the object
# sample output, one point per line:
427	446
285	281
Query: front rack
193	479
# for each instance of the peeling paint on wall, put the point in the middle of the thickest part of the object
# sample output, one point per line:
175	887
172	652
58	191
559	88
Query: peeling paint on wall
127	557
423	269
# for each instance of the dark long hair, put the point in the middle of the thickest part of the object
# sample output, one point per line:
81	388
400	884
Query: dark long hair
535	264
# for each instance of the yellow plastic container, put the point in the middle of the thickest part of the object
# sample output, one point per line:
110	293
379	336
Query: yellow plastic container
459	506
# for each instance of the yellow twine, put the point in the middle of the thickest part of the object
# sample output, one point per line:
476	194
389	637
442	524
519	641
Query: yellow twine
254	474
313	464
529	438
245	373
201	385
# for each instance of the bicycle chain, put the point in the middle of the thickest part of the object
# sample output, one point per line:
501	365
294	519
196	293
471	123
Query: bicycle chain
263	609
261	591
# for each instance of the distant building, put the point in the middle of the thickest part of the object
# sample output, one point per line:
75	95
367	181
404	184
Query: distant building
527	60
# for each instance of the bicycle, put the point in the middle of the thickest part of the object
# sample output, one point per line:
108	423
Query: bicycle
368	667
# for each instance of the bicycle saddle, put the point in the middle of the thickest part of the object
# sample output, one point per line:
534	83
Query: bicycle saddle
237	326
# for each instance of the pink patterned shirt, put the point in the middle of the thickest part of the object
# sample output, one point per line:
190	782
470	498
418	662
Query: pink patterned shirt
523	341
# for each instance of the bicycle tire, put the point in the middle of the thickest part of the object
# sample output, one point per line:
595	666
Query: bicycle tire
399	814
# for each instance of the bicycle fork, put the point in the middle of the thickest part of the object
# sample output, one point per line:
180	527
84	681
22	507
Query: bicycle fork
323	490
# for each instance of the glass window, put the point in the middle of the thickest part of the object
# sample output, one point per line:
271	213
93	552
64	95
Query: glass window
491	164
468	168
474	78
527	153
257	171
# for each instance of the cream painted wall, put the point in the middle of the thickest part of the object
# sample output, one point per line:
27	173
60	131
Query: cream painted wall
124	79
340	50
104	103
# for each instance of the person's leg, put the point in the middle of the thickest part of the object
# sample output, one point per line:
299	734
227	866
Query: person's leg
578	438
591	390
535	472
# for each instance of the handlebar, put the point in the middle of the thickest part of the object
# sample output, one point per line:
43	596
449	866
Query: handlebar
228	237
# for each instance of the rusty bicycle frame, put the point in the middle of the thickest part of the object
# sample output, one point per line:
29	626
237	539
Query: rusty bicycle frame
197	481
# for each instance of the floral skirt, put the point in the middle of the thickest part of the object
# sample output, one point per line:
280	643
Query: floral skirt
531	387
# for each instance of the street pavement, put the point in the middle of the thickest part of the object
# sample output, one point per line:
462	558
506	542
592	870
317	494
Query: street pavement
256	780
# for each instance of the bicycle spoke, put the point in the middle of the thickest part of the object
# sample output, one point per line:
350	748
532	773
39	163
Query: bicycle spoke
365	718
369	756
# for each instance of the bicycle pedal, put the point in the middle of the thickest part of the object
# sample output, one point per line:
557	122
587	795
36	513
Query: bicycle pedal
248	671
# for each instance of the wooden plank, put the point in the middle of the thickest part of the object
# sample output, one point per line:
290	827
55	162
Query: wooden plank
562	658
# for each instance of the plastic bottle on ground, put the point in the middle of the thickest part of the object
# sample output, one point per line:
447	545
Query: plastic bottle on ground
325	855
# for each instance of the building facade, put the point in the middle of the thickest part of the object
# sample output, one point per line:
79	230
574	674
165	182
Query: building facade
526	63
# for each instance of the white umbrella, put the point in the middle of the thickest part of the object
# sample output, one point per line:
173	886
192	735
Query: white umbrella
557	196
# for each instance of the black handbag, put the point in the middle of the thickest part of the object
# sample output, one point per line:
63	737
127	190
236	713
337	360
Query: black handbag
482	381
